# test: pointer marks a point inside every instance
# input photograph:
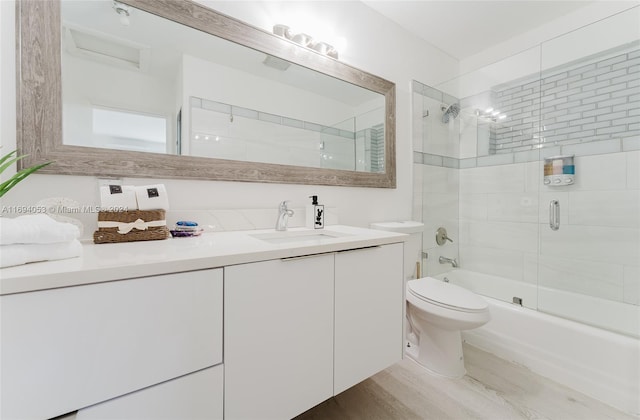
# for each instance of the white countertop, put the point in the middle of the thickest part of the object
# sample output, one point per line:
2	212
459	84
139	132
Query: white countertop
108	262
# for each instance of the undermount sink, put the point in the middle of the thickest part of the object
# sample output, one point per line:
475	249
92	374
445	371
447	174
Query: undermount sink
288	236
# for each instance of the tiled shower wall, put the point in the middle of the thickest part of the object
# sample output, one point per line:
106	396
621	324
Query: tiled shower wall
504	226
225	131
590	100
496	210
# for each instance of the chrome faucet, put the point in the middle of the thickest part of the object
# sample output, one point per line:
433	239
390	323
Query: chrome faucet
283	215
445	260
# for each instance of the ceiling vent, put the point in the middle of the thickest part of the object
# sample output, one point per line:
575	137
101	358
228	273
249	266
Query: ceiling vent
92	45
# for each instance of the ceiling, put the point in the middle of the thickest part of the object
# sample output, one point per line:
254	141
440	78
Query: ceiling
464	28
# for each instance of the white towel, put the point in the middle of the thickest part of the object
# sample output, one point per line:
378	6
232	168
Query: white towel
35	229
19	254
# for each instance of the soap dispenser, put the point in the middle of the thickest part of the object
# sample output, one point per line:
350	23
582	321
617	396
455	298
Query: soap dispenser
315	214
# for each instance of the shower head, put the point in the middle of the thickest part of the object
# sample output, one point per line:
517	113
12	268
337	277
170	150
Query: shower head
451	111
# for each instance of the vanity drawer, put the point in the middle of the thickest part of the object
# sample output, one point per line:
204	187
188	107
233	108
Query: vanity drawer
65	349
194	396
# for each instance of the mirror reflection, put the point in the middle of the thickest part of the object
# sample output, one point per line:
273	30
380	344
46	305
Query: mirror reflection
135	81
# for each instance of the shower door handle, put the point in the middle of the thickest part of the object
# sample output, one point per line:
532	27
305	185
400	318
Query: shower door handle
554	214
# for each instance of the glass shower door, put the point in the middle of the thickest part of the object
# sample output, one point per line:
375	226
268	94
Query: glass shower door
589	256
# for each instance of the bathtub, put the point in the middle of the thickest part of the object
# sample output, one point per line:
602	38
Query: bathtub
597	362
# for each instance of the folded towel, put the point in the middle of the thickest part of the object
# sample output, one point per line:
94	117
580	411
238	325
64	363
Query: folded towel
18	254
35	229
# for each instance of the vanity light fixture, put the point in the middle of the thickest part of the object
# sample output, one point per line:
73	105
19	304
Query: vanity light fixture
305	40
123	12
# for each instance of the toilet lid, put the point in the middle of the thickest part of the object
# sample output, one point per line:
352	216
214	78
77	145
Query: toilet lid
446	294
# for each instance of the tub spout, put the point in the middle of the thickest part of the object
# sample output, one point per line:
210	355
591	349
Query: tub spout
445	260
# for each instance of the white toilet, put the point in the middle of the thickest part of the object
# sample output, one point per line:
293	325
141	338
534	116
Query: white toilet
436	311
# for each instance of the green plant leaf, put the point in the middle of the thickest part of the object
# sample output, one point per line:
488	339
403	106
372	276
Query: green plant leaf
19	176
5	158
4	165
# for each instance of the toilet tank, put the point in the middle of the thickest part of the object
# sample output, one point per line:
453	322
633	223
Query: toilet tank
412	247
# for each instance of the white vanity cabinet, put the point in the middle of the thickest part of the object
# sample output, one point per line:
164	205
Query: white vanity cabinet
278	337
69	348
94	339
368	312
300	330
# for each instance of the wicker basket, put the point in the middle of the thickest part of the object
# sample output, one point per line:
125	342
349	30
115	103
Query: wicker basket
111	235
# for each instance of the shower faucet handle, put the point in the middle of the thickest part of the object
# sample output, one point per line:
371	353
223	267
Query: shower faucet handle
441	236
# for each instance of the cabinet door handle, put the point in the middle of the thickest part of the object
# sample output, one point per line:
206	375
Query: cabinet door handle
364	248
554	214
302	257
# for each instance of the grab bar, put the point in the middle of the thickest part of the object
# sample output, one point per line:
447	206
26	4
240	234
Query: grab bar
554	214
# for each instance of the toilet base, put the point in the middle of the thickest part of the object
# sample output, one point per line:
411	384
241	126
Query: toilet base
439	352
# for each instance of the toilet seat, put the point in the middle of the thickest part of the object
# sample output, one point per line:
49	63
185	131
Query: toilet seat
446	295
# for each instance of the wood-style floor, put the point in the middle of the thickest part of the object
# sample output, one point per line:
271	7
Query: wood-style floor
492	389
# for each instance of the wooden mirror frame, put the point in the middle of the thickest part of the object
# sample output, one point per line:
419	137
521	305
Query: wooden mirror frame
39	104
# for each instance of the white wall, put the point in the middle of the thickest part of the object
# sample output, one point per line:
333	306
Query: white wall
564	24
89	83
375	44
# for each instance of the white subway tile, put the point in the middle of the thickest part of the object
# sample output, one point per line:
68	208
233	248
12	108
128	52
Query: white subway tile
526	156
530	271
464	231
612	130
533	172
605	208
493	160
416	122
633	170
473	207
597	279
440	206
468	163
504	235
417	87
616	101
600	172
632	284
432	160
416	212
612	74
551	151
439	179
505	263
513	207
432	93
591	243
492	179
